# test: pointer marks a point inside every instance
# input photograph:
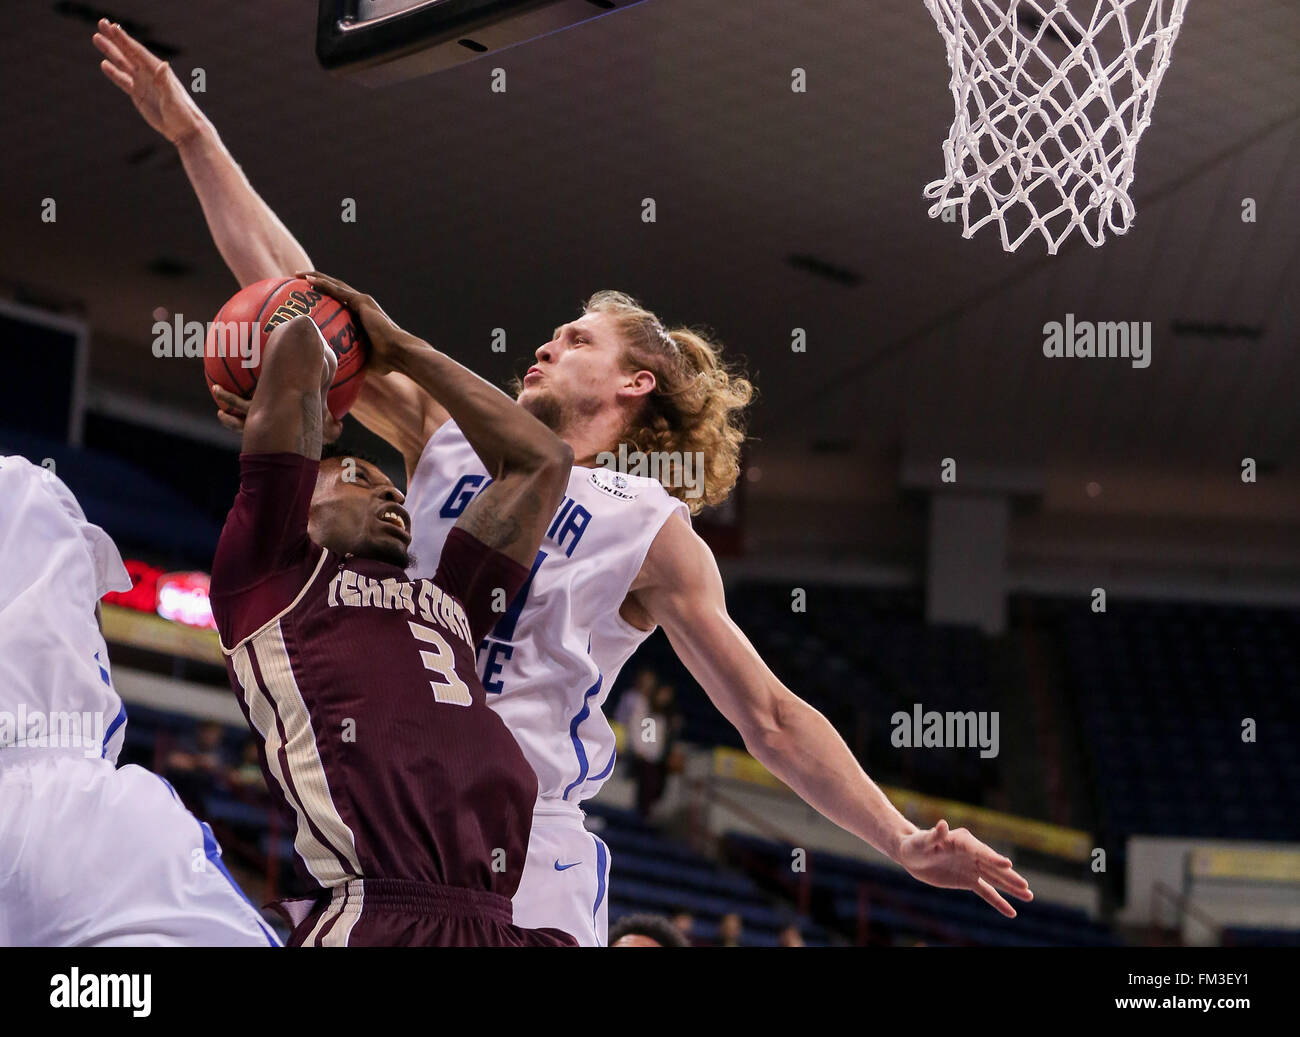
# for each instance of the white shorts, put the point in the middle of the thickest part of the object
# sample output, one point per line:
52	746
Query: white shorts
93	855
565	883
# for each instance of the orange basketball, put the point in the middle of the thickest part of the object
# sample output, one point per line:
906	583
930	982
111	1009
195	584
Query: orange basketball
231	361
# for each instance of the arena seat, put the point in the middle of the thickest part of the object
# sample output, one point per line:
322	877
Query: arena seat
897	906
1160	692
135	508
651	872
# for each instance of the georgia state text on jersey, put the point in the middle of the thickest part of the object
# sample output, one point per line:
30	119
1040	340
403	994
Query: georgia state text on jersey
549	662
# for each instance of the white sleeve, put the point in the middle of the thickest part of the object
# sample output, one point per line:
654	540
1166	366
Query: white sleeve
38	510
54	567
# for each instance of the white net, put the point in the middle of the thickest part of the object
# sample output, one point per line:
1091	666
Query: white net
1052	97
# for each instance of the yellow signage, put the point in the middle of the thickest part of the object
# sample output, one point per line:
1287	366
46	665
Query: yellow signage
125	626
990	825
1255	865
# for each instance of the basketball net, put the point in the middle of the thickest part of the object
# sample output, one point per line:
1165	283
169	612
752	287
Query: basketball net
1052	97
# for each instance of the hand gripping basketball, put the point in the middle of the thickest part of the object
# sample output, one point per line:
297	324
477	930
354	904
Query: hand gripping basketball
232	352
385	337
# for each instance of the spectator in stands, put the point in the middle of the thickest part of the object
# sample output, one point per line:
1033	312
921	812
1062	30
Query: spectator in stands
653	739
791	937
634	703
199	767
645	931
685	923
246	779
730	930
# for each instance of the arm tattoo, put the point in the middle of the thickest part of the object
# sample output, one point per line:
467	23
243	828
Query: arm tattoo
310	436
498	525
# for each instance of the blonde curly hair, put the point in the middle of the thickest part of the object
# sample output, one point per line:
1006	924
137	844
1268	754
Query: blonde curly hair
698	403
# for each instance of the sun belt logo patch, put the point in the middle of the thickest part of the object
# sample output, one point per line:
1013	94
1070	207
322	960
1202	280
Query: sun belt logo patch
614	483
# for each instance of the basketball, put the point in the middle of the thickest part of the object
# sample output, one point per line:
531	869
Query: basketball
232	358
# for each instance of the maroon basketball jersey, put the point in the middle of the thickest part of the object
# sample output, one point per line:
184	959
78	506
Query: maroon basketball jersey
362	686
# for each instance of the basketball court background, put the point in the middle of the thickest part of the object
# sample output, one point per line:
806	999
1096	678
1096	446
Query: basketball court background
778	211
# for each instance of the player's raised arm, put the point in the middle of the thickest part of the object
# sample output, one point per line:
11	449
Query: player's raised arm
251	238
390	405
680	588
289	401
530	465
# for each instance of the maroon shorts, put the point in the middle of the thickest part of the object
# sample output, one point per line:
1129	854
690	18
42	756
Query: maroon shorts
401	913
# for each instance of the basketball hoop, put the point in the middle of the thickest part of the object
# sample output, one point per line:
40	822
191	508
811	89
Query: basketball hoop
1052	97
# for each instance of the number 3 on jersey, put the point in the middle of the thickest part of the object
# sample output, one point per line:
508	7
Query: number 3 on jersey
440	659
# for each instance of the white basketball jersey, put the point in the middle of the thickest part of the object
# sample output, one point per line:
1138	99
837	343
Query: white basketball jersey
55	688
551	660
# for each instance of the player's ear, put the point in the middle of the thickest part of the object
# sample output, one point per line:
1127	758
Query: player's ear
638	383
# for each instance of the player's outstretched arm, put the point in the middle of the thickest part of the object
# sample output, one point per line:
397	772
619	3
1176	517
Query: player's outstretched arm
681	589
290	399
390	405
530	465
251	238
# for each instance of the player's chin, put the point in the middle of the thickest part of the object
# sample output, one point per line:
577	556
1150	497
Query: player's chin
390	548
542	405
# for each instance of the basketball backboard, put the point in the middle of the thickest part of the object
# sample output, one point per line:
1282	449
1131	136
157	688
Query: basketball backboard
385	41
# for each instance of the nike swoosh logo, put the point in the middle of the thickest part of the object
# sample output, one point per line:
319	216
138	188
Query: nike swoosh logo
566	867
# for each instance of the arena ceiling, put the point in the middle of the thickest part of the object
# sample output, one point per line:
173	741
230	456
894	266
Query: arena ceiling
775	210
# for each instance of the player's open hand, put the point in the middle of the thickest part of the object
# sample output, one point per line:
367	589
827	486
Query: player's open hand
232	411
955	859
386	338
150	83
